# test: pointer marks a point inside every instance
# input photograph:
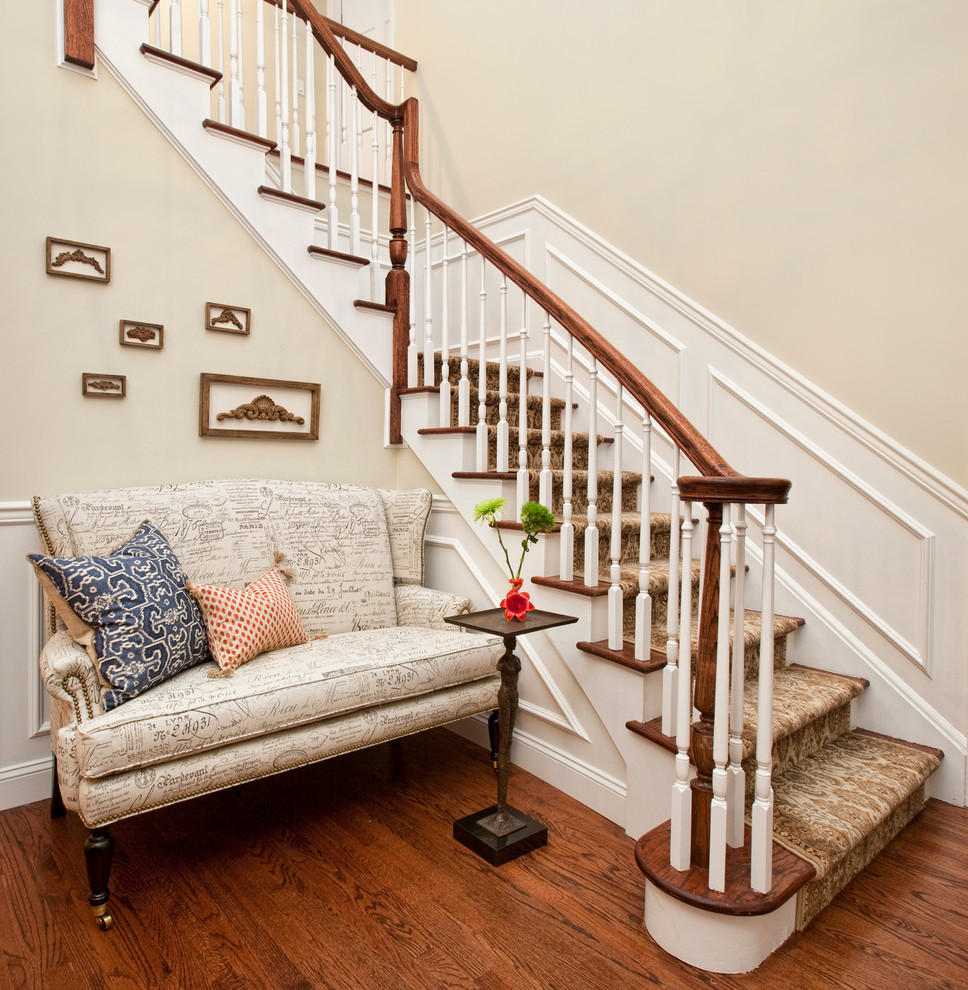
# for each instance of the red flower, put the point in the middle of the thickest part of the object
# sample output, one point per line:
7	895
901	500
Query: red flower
518	603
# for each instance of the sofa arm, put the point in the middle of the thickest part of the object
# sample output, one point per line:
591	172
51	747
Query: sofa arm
69	676
426	607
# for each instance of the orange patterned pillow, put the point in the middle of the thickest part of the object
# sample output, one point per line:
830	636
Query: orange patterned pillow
243	624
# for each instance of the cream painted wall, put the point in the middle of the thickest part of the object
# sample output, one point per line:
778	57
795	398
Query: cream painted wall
796	169
88	166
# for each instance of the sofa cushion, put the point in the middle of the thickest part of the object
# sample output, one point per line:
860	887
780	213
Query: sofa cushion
130	610
243	624
279	689
336	540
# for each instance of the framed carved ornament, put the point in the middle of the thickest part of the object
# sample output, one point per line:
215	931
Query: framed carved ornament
77	260
105	386
257	408
230	319
137	333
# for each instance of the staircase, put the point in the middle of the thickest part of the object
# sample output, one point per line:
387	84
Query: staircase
829	796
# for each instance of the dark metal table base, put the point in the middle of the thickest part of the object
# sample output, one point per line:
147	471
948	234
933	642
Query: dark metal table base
499	849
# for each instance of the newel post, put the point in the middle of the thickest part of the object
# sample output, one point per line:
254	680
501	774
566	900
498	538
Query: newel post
398	282
79	32
704	698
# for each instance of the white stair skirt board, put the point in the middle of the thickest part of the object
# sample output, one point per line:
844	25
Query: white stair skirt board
718	943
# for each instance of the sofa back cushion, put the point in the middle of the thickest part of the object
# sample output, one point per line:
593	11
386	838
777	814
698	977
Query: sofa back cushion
335	537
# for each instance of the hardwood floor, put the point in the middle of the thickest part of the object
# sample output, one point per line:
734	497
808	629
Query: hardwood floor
345	875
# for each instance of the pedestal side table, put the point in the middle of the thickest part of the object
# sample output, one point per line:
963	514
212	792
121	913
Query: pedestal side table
501	833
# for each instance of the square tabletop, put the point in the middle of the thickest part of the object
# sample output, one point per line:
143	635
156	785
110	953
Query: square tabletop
494	621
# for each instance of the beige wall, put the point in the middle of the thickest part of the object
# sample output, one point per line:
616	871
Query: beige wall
83	163
797	169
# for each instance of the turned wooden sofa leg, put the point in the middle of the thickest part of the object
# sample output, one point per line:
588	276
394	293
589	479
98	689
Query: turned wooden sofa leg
98	853
57	808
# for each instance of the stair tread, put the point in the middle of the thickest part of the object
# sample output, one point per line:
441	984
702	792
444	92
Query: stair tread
801	695
829	801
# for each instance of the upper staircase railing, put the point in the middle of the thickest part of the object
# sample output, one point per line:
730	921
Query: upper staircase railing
707	812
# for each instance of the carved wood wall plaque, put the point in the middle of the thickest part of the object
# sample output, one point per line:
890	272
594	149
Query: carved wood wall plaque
136	333
77	260
97	385
279	410
231	319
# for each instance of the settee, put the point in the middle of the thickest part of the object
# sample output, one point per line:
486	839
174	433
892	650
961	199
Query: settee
150	703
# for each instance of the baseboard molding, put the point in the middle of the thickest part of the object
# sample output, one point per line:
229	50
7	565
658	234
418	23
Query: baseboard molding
25	783
578	780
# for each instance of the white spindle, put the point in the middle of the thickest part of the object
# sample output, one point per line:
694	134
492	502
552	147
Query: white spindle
221	64
285	152
464	385
332	154
445	403
503	431
761	874
310	103
523	477
615	598
428	343
388	134
643	600
205	34
355	173
544	479
566	570
718	822
235	88
482	376
295	135
261	105
278	79
735	775
238	34
175	27
156	17
413	349
681	818
375	205
591	531
670	673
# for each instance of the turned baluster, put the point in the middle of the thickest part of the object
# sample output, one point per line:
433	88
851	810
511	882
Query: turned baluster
705	688
235	88
735	774
523	478
482	375
718	816
413	349
567	538
591	531
428	343
503	431
175	27
643	600
615	598
285	152
445	397
310	102
670	673
261	102
205	34
464	385
544	479
332	153
681	823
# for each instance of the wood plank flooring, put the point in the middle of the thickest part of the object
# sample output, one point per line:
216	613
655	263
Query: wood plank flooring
345	876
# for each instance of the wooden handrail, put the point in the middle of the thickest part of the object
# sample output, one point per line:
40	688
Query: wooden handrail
695	446
341	31
324	34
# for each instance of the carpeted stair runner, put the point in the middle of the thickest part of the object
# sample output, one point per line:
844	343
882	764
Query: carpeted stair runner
839	795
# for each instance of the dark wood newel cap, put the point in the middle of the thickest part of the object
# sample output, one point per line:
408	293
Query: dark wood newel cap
768	491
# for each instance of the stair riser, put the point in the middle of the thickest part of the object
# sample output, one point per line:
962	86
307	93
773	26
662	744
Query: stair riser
629	544
579	456
794	747
492	411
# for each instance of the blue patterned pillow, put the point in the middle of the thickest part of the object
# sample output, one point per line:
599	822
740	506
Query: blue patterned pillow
130	609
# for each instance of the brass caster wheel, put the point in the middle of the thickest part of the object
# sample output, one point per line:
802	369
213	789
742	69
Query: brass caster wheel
102	919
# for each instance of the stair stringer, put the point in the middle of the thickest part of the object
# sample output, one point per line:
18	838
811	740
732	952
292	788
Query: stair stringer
177	103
